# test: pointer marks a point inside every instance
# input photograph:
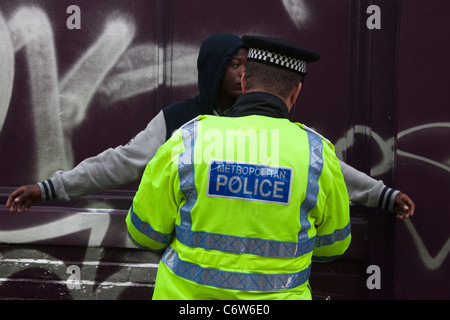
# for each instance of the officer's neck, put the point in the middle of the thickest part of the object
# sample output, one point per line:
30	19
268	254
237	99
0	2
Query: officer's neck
285	100
288	101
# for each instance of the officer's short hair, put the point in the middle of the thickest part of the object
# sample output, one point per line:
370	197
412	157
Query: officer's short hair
270	78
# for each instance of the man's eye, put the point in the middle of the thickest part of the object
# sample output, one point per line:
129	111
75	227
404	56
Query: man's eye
235	64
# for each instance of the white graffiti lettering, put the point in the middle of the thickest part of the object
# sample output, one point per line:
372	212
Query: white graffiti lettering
109	67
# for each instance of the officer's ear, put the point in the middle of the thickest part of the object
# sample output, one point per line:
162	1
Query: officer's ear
295	92
243	85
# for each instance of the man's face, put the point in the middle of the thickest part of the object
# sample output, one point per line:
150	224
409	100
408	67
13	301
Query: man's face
231	82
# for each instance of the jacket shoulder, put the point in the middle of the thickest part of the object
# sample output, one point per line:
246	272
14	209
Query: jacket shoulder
308	129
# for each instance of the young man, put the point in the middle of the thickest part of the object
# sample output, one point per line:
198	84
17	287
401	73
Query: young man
220	64
237	224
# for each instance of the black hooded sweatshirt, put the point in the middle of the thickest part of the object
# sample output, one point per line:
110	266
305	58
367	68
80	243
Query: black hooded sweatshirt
215	54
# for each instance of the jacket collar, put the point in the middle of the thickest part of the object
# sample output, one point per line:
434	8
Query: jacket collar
258	103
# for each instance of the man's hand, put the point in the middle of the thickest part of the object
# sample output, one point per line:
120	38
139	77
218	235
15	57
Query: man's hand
403	206
25	196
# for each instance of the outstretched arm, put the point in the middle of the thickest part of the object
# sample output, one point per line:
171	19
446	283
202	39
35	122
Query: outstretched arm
110	169
368	192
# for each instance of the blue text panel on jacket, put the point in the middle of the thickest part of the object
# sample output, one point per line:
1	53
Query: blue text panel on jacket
246	181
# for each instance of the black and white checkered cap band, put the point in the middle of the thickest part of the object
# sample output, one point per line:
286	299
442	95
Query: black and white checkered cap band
277	59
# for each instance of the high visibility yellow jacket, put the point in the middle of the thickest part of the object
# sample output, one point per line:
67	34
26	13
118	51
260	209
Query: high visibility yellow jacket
241	206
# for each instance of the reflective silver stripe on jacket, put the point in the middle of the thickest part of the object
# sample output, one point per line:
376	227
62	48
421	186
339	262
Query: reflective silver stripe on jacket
233	280
244	245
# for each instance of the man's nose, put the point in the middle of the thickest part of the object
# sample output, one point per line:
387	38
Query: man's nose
241	69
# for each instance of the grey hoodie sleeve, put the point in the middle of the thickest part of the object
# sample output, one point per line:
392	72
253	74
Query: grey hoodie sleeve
367	191
110	169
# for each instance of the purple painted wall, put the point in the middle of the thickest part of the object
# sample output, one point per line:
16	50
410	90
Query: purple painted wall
422	245
379	94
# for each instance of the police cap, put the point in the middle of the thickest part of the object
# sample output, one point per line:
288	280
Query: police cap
279	53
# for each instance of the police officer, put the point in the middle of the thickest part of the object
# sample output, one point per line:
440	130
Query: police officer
243	204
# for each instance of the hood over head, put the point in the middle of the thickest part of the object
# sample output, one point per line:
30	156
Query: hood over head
215	53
